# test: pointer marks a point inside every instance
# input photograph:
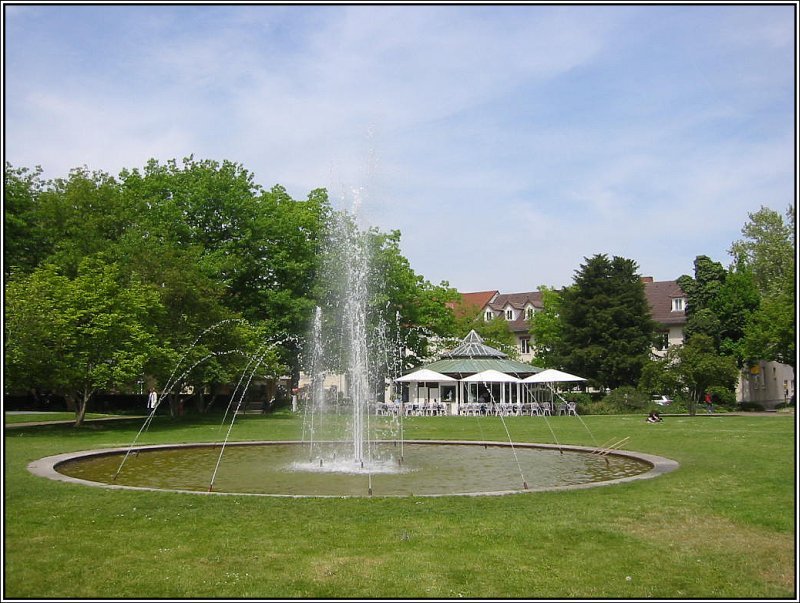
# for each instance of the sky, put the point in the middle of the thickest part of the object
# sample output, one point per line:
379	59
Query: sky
507	143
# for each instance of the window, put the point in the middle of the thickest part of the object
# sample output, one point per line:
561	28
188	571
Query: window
525	345
662	341
509	314
529	313
678	304
488	316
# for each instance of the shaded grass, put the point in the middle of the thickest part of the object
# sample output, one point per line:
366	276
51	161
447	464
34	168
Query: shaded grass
11	418
722	526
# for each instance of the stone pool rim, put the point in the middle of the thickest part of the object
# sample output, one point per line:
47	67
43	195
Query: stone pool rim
47	467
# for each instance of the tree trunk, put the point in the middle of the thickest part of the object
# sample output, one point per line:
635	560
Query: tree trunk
80	410
200	400
173	404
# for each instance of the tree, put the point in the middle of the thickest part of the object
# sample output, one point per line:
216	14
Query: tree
606	327
546	329
770	332
260	248
767	249
691	370
83	215
24	244
720	303
78	335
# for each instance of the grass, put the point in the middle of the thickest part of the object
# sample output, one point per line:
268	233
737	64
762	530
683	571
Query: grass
722	526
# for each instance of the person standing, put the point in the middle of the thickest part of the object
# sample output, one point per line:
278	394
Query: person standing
152	399
709	404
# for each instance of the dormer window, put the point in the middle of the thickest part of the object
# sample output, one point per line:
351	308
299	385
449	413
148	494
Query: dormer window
509	314
529	313
488	316
678	304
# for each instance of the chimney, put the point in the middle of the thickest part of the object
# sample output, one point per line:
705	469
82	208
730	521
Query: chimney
647	279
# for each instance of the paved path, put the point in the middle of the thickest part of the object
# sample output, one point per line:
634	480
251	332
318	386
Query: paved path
71	421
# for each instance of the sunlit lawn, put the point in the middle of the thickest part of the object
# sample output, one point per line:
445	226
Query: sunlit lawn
721	526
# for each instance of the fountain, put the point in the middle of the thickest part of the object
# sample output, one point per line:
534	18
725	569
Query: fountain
340	341
339	453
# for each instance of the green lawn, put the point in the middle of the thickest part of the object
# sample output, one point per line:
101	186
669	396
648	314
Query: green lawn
721	526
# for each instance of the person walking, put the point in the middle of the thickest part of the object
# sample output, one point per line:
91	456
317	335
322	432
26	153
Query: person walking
709	404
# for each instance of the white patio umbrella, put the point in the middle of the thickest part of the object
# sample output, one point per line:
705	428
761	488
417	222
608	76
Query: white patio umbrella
424	375
552	376
491	376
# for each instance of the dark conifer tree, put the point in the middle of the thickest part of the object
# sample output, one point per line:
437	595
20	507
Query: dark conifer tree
607	328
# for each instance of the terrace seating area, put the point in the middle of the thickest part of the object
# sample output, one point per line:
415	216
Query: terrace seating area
512	409
421	409
473	409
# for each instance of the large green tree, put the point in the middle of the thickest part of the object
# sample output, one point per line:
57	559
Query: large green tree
606	327
211	245
767	249
720	303
78	335
260	247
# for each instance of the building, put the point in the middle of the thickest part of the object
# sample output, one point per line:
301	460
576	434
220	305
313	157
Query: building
767	384
666	299
667	303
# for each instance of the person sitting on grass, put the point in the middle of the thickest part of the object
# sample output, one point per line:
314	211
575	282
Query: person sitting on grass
654	417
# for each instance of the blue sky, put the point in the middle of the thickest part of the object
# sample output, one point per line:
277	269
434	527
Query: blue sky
506	143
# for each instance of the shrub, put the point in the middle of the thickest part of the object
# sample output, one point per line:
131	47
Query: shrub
751	407
722	396
628	399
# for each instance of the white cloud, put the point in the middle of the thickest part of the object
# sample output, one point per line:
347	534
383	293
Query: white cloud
506	143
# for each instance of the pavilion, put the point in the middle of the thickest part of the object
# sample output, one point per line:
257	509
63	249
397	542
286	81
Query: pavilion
471	373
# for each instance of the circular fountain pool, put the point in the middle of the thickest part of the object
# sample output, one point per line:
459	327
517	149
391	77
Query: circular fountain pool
416	468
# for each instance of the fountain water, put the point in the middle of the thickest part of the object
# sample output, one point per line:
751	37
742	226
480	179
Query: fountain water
344	339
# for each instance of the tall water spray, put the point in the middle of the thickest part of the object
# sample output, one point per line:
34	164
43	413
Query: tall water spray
344	334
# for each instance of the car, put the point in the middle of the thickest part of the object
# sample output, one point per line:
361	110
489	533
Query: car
662	400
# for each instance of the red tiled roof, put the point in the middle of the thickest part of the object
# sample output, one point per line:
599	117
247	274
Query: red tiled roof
472	303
